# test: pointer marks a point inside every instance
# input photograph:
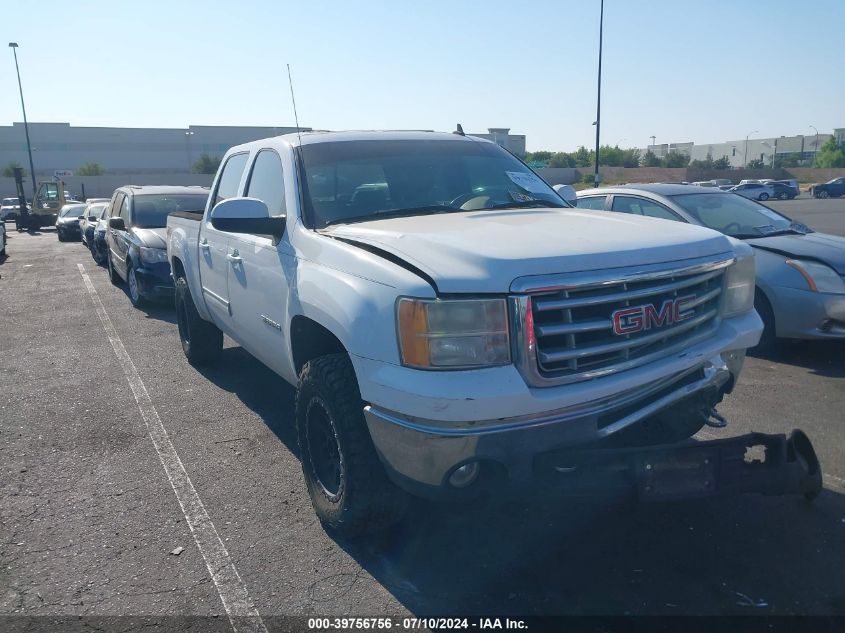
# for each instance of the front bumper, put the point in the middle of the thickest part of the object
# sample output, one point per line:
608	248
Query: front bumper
802	314
420	454
154	280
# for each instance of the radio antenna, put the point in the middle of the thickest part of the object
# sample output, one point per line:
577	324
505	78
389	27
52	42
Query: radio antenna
293	99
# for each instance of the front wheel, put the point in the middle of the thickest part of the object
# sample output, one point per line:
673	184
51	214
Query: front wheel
763	197
135	295
783	196
349	490
201	341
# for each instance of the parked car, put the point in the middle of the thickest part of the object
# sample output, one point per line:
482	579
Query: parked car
136	236
800	286
831	189
449	322
749	181
754	191
99	247
95	207
9	209
719	182
67	224
726	187
2	240
705	183
783	191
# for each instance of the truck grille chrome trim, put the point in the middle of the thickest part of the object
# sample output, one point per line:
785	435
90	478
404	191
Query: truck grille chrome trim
575	329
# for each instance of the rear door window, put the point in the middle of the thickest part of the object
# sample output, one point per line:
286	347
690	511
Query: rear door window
642	206
267	182
592	202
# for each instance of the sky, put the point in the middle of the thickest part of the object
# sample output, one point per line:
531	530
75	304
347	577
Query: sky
677	69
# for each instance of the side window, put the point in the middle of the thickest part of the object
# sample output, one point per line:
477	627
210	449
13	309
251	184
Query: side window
123	212
227	185
267	182
114	207
641	206
592	202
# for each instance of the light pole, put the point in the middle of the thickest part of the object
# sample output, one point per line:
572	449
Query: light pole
14	46
745	155
815	143
596	177
653	139
188	136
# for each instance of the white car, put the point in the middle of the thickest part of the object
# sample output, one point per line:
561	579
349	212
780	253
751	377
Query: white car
9	209
451	324
754	191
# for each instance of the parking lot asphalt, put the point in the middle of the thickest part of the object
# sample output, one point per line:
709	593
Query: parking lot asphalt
89	520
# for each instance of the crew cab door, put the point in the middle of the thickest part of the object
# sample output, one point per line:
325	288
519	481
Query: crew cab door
118	241
260	270
214	244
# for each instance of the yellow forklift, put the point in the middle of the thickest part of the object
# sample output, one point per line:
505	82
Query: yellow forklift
44	211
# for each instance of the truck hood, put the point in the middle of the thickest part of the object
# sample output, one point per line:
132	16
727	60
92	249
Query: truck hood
829	249
152	238
484	251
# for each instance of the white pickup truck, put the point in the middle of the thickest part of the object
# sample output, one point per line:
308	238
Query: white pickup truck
450	323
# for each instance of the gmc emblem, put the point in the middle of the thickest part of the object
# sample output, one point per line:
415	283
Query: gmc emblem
645	317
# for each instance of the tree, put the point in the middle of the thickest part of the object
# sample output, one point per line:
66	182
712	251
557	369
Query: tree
9	169
830	155
583	157
756	163
206	164
722	163
675	159
561	159
650	159
542	156
707	163
90	169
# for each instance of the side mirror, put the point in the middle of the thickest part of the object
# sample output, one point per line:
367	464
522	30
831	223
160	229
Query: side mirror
117	224
246	215
567	192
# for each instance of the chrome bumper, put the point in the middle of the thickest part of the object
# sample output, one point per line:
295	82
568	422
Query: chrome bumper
425	452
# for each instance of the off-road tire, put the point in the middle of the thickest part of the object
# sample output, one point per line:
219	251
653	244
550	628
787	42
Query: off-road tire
202	342
365	500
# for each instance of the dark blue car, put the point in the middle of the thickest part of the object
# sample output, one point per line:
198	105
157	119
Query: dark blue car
136	236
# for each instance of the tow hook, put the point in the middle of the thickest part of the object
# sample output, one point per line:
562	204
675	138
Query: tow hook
715	420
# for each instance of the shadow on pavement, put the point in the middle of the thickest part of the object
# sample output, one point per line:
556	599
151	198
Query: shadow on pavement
544	555
822	358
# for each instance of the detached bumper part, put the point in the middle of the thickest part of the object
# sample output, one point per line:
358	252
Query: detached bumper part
753	463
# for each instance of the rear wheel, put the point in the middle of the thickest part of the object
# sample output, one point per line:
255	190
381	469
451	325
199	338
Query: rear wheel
823	194
763	197
349	489
201	341
783	196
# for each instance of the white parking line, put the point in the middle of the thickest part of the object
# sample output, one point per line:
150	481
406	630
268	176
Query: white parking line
830	480
230	586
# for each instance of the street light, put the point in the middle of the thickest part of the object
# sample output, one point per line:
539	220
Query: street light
653	139
14	46
596	177
745	155
188	136
816	142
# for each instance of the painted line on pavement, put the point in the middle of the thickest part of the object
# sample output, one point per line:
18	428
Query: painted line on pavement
233	592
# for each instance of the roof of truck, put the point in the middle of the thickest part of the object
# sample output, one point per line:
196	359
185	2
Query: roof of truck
309	138
140	190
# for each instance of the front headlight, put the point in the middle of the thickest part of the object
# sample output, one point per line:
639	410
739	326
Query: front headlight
819	278
453	334
739	287
153	255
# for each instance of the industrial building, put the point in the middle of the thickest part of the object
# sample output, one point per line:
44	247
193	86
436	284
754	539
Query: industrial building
801	147
63	147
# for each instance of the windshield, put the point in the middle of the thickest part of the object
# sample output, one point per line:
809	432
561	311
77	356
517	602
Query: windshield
8	202
151	210
352	181
96	210
73	212
732	214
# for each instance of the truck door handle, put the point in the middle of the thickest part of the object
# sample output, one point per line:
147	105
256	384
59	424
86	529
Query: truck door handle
204	245
234	257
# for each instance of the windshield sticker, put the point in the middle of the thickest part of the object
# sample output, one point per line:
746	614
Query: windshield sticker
518	196
771	214
528	181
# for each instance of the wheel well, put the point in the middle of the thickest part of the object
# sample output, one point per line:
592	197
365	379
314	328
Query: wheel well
760	295
178	268
309	340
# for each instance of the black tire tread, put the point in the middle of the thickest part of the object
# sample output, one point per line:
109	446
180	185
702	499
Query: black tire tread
206	339
370	501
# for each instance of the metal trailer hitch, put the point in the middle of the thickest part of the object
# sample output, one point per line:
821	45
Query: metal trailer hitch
769	464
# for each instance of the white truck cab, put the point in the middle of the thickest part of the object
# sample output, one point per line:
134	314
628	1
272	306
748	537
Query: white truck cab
448	320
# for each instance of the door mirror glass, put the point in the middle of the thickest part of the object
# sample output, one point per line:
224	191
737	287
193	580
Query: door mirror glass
246	215
117	223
